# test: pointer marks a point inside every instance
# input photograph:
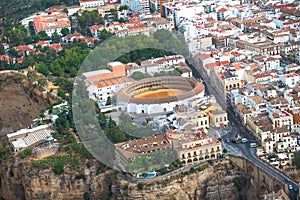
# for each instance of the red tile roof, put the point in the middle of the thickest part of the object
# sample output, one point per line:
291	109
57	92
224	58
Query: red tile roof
222	10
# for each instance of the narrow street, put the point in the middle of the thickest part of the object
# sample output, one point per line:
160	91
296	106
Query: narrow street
243	149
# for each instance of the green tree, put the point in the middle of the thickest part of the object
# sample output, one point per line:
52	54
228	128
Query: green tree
108	101
62	124
55	37
16	35
66	10
42	114
140	186
138	75
89	18
123	8
65	31
2	51
25	153
65	84
42	68
113	132
14	53
31	75
162	35
28	61
43	35
28	40
102	120
105	35
43	82
58	168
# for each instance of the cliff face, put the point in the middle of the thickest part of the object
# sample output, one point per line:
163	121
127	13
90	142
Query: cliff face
215	182
20	180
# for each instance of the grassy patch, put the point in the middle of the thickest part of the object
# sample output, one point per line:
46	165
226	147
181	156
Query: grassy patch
57	163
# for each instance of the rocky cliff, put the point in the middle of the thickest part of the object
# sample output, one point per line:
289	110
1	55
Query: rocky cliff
214	182
20	180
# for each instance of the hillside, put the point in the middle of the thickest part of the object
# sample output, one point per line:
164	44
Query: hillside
20	102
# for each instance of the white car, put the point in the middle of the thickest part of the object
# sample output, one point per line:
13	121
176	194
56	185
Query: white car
290	187
244	140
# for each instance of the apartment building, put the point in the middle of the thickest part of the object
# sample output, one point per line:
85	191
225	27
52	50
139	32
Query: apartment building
137	6
218	118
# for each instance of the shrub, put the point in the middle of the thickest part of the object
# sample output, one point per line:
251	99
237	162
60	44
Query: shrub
86	196
192	170
125	187
80	176
25	153
58	168
165	182
140	186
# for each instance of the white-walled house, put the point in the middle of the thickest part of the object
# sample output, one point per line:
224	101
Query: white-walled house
91	3
51	23
290	79
107	88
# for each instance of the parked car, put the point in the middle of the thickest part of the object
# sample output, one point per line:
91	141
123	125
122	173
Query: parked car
227	140
287	180
290	187
244	140
253	145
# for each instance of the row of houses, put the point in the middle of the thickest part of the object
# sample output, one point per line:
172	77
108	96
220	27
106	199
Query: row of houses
184	131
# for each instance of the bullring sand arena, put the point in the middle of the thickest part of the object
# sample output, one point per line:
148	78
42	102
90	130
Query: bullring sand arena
160	93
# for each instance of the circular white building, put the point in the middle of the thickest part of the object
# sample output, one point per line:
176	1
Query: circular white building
159	94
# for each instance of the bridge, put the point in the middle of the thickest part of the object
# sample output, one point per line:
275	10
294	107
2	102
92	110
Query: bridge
263	181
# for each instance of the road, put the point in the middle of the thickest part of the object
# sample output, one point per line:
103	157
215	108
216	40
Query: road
249	153
243	149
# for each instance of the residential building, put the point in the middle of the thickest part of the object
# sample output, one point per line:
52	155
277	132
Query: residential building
291	79
192	146
105	83
51	23
137	6
218	118
199	118
91	3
